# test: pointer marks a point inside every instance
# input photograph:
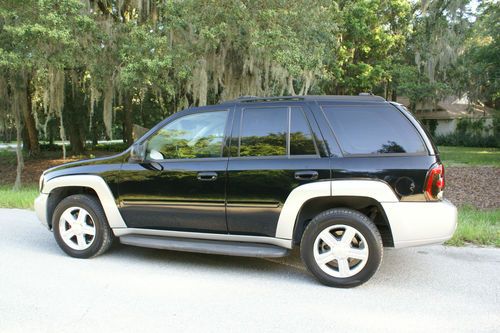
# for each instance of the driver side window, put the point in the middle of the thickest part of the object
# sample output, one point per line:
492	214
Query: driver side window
198	135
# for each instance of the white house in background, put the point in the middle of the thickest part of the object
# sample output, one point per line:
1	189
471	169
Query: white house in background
448	111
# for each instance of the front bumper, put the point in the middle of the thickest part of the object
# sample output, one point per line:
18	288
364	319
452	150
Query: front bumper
41	209
421	223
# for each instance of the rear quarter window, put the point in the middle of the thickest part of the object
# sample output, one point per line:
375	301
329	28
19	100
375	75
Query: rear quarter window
373	129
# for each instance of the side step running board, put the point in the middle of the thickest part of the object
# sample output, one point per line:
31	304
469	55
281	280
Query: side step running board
241	249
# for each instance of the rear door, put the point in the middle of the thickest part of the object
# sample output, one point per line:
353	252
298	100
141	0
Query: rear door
275	147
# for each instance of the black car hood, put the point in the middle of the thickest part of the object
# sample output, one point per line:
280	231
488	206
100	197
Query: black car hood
87	166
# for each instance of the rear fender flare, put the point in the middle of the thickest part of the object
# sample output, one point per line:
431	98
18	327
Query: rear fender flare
375	189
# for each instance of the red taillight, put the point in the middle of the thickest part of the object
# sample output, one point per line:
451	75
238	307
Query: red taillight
435	182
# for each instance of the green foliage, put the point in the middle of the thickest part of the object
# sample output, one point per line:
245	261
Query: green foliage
38	33
469	133
172	145
108	147
467	140
477	70
273	144
105	147
410	82
432	125
372	36
113	63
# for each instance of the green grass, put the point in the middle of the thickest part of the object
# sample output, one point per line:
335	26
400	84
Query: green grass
469	156
480	227
22	198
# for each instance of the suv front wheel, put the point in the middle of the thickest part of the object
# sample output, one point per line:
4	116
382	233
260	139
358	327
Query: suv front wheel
80	226
342	248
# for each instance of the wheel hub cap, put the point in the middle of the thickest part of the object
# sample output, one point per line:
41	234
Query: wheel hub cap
341	251
77	228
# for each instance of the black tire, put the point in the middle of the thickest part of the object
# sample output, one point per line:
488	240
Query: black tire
346	217
103	237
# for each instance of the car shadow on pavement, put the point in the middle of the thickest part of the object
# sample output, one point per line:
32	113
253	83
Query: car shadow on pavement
400	267
289	266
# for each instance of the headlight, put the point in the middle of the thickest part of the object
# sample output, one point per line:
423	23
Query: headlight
40	183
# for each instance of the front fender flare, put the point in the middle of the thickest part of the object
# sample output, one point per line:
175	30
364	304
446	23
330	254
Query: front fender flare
97	184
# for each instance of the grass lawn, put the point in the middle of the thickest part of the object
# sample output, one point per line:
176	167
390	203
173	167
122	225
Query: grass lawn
18	199
481	227
469	156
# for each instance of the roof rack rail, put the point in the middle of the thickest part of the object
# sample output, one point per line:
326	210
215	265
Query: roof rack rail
250	99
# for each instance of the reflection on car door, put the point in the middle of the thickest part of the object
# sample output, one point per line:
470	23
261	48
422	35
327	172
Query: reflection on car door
181	184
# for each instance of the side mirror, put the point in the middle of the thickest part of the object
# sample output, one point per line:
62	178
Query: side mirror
138	152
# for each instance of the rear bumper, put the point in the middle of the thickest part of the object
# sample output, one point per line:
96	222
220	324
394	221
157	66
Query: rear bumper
41	209
421	223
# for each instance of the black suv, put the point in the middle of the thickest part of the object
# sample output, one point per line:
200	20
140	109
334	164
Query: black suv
340	176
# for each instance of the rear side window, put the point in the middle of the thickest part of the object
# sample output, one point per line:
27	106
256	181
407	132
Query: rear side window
373	129
264	132
275	131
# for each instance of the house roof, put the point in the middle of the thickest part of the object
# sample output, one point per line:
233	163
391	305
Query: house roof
451	107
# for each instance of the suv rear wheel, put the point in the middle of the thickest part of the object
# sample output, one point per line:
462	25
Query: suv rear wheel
80	227
342	248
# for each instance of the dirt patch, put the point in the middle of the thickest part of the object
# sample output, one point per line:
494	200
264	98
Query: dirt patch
33	167
477	186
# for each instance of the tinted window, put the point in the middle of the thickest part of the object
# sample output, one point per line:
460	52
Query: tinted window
373	130
264	131
301	141
192	136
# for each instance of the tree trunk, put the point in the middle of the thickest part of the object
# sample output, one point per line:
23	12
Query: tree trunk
19	151
127	120
74	116
25	138
29	121
394	95
51	130
17	103
75	139
94	133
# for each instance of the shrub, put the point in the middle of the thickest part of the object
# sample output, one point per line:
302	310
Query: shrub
115	146
469	133
467	140
111	147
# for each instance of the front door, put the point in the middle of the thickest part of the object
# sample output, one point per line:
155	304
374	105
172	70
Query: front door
273	151
181	184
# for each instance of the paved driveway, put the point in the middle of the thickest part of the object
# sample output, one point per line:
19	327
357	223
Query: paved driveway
133	289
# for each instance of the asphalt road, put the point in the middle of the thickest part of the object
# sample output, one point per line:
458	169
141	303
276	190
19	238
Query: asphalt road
133	289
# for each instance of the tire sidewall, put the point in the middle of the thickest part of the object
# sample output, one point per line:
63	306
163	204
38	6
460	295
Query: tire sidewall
353	220
97	216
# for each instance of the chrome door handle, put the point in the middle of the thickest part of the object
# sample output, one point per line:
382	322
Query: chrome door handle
306	175
207	176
